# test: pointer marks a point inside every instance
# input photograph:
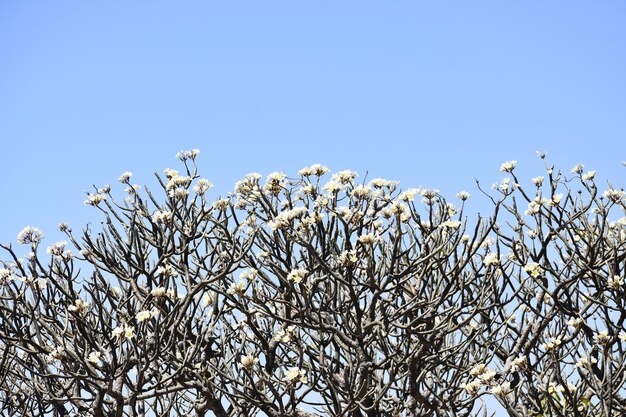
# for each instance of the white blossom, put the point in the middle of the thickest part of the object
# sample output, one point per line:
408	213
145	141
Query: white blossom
508	166
125	177
29	235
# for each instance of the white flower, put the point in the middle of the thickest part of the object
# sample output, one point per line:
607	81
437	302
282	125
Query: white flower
178	192
615	282
118	331
247	362
284	335
332	186
508	166
29	235
555	200
161	216
379	183
538	181
575	323
368	239
478	369
295	375
79	307
585	362
520	364
315	169
184	155
58	353
42	283
361	192
297	275
491	259
473	387
614	195
488	376
94	357
221	204
57	249
502	389
5	276
578	169
95	199
125	176
552	344
589	175
159	292
452	224
344	177
237	288
123	332
207	300
170	173
202	186
533	269
463	195
347	258
602	337
286	218
146	315
249	275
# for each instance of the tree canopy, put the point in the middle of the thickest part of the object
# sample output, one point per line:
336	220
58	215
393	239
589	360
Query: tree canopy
322	295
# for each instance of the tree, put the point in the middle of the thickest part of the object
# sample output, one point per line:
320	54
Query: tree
303	297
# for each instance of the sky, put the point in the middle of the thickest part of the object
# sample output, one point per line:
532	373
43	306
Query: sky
432	94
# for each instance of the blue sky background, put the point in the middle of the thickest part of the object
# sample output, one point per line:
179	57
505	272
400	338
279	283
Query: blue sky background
428	93
432	94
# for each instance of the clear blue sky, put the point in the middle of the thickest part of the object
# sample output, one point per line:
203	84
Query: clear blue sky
429	93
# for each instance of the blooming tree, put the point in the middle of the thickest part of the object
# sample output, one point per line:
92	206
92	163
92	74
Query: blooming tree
321	295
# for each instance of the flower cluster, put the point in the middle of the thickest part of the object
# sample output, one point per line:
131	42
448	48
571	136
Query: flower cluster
145	315
285	218
29	235
297	275
285	335
294	375
80	307
123	332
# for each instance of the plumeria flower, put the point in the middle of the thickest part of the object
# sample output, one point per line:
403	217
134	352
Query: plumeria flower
202	186
125	177
368	239
491	259
538	181
146	315
463	195
533	269
508	166
123	332
248	362
285	335
94	357
95	199
297	275
79	307
294	375
237	288
159	292
29	235
552	344
588	176
452	224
